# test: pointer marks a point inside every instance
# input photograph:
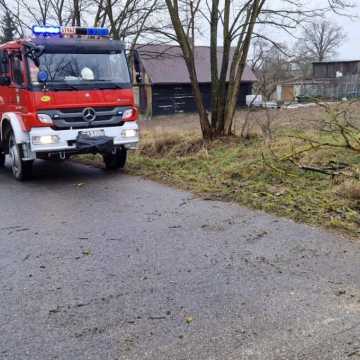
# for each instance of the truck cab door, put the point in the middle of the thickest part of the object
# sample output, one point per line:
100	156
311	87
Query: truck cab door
5	76
17	86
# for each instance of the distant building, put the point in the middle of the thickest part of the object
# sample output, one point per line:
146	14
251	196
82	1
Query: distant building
331	80
163	82
335	69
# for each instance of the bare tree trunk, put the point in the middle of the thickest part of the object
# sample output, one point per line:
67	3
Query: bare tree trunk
58	7
77	13
109	11
190	64
238	65
267	127
99	13
214	61
222	86
245	129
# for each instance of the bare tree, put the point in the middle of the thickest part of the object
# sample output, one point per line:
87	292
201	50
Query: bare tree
60	9
320	40
338	130
127	19
8	27
26	13
271	65
235	23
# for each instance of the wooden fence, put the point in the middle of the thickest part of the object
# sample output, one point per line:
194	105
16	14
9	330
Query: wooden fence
335	89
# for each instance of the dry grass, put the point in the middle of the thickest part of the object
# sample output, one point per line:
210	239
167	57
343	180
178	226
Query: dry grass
162	143
349	189
303	118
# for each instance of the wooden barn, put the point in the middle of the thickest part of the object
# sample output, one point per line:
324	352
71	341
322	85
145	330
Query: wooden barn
335	69
331	80
163	84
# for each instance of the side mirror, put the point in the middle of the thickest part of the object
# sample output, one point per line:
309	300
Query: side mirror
139	78
34	52
4	62
5	80
36	61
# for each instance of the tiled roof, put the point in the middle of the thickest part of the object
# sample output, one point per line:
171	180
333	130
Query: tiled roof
165	64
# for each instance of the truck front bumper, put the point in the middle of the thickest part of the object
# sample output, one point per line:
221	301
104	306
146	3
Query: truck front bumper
56	141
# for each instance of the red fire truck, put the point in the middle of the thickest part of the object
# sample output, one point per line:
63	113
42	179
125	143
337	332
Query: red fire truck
65	91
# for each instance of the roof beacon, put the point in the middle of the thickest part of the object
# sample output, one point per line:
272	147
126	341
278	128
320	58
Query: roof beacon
46	31
69	31
85	31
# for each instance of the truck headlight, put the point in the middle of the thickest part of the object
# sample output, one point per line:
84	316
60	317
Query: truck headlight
45	140
129	115
45	119
128	133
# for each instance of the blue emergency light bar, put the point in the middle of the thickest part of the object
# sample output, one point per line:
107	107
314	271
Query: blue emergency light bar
50	31
39	30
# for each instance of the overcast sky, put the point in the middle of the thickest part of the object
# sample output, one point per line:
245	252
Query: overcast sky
351	26
351	47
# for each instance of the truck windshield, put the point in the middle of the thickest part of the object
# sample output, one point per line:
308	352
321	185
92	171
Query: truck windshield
82	71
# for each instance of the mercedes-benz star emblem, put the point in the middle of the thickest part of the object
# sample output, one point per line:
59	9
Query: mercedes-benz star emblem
89	115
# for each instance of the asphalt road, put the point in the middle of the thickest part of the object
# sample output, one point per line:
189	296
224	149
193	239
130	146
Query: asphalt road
108	266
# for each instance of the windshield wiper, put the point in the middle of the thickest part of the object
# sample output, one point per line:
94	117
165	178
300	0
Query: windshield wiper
61	86
96	85
109	84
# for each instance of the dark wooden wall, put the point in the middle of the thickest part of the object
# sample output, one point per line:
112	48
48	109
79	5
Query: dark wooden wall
328	70
171	99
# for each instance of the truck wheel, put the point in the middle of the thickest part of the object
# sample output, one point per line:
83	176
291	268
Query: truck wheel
2	159
21	169
115	161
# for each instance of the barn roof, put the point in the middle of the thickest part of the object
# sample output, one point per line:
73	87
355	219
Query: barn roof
336	61
165	64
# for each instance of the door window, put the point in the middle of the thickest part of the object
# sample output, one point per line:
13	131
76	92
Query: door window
4	63
17	70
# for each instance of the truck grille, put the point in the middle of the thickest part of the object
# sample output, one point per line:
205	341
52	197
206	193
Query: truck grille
74	117
79	110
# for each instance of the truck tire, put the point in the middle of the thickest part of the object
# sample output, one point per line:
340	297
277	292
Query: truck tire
115	161
21	169
2	159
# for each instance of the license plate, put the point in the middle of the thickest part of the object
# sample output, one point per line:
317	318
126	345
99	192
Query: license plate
93	133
